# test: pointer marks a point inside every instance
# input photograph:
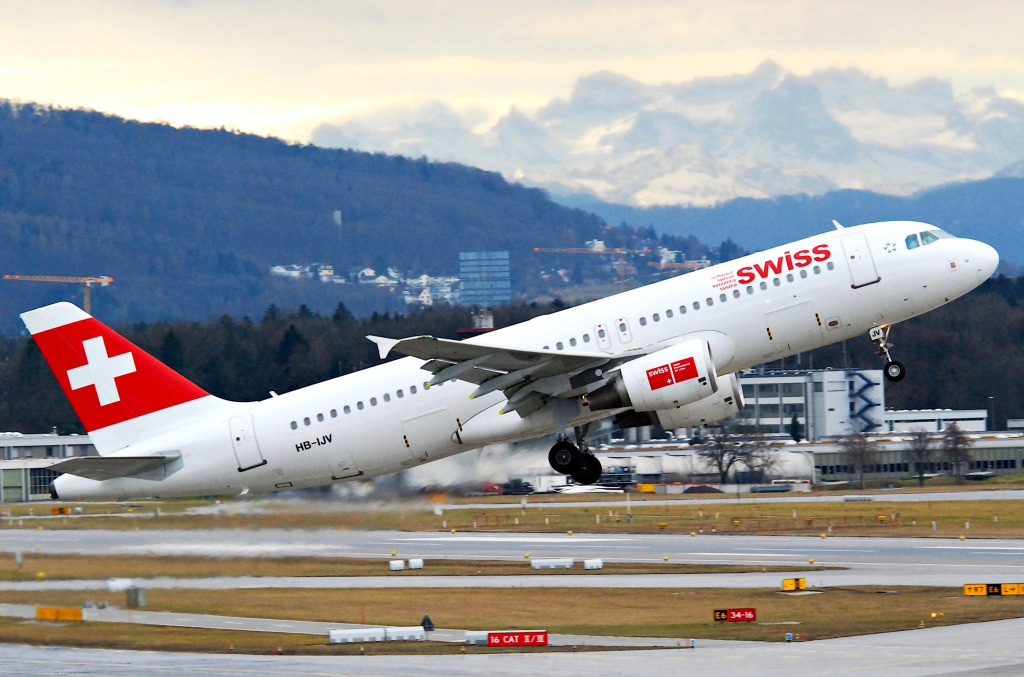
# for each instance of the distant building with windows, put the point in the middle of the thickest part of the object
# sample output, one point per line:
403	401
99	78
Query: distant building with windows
25	461
486	278
832	403
824	403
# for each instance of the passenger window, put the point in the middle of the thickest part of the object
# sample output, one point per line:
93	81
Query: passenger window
347	409
777	282
830	265
572	342
912	241
334	413
559	345
817	270
586	338
360	406
295	425
426	385
622	327
789	277
320	418
750	289
696	305
412	390
682	310
601	333
643	321
400	393
709	301
387	397
306	420
723	298
803	273
735	293
656	317
764	285
668	313
373	401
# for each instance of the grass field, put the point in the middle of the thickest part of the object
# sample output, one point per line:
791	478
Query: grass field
878	517
642	612
35	566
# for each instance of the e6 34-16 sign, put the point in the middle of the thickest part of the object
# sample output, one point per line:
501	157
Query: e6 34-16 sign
736	615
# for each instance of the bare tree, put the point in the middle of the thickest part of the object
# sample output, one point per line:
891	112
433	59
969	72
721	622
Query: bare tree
759	458
919	453
956	450
857	448
722	450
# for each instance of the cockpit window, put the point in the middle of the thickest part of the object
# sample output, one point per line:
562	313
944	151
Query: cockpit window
926	237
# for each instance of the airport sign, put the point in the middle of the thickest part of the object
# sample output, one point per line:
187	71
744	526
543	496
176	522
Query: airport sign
528	638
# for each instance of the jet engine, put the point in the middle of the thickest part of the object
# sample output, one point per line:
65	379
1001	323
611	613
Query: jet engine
723	404
667	379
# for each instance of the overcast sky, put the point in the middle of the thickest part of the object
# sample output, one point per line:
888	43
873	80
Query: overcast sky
282	67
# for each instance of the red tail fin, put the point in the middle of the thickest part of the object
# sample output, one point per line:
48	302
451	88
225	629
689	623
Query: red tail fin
108	379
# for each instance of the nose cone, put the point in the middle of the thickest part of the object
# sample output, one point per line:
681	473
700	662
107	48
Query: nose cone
983	259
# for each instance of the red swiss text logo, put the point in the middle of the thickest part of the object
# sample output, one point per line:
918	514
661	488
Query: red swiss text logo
788	261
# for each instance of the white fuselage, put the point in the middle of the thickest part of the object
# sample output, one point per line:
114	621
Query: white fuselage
383	419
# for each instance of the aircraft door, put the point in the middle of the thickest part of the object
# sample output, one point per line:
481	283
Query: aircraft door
243	441
622	325
794	329
858	258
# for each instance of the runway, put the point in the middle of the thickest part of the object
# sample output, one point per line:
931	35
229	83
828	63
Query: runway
864	561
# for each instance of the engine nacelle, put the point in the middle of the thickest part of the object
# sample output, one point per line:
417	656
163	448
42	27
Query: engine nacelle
667	379
723	404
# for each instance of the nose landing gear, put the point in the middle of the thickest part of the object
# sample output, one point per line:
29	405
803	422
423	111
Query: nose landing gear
575	460
894	371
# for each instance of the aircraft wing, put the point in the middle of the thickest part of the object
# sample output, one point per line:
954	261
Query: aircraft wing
110	467
528	378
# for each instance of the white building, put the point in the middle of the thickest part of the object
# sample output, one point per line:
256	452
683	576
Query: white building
825	403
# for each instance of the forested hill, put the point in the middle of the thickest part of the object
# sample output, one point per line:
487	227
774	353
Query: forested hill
188	222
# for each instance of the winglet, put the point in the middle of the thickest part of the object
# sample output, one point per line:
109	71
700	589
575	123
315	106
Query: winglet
384	345
838	225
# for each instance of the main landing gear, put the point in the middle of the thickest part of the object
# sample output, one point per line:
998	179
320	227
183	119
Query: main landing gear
575	460
894	371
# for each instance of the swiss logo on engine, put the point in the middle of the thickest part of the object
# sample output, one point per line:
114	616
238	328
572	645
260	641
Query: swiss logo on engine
670	374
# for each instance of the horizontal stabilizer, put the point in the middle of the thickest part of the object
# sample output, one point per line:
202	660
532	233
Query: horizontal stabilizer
110	467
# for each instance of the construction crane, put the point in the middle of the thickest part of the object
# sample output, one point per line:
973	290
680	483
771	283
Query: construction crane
619	251
103	281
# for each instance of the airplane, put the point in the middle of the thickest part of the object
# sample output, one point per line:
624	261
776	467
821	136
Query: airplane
666	353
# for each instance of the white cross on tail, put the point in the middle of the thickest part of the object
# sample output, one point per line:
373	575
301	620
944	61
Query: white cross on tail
101	371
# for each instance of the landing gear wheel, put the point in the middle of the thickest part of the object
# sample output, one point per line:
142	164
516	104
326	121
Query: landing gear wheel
563	457
894	371
588	469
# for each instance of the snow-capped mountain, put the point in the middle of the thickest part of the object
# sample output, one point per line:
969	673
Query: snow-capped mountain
762	134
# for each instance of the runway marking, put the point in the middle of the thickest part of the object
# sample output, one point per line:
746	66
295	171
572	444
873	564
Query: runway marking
506	539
